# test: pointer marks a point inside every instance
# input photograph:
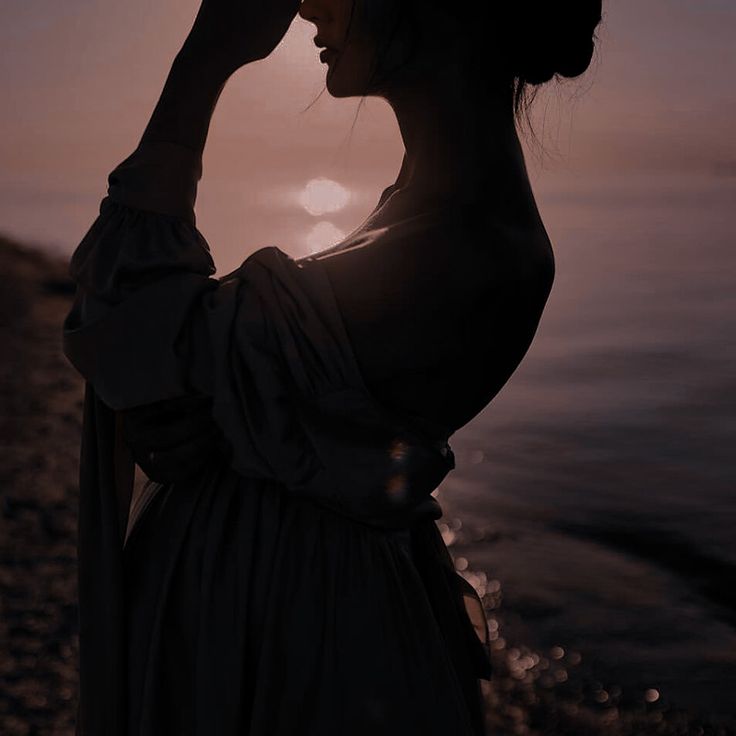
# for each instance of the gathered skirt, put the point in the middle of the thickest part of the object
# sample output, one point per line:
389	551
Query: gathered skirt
251	611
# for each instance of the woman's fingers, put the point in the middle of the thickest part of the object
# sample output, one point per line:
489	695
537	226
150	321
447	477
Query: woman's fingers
177	463
235	32
172	439
170	408
167	424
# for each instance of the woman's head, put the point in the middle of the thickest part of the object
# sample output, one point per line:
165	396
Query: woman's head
378	46
356	36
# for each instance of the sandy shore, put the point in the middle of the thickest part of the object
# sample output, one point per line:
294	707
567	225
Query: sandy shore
531	692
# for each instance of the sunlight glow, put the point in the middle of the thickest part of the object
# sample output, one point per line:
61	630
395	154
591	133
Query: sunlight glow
323	235
322	195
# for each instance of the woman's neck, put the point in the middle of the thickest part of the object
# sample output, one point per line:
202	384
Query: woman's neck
457	139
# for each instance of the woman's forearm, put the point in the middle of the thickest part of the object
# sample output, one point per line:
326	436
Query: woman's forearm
187	102
161	175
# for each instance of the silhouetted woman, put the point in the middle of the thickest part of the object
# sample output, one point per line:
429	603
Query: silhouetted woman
282	572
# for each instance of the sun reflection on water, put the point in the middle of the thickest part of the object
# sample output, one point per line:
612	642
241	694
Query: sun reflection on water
323	235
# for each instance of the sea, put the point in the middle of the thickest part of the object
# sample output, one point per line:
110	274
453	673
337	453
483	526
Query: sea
597	491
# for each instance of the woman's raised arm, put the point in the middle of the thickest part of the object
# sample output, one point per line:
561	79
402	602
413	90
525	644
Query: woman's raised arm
226	35
146	230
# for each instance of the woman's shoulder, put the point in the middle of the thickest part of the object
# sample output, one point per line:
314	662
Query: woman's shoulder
457	252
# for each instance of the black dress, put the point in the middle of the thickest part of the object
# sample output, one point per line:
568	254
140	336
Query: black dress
296	581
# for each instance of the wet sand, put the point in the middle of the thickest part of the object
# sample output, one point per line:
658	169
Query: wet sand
545	691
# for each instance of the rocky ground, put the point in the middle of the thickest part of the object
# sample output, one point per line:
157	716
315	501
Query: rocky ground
40	430
531	693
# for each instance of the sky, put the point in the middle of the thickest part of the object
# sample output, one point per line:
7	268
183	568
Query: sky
80	79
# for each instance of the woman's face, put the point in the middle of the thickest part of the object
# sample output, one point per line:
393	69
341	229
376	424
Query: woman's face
350	41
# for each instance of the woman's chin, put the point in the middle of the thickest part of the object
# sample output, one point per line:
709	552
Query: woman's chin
347	80
337	87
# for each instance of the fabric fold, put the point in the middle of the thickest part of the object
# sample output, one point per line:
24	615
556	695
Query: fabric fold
159	177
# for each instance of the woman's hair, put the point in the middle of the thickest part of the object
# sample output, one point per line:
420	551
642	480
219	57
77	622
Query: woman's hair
518	44
540	40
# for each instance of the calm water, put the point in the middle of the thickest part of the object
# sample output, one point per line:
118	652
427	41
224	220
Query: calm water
599	487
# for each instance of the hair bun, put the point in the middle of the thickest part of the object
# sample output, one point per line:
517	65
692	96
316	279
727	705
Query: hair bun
552	38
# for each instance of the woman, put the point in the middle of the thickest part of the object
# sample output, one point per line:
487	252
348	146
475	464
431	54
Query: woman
283	572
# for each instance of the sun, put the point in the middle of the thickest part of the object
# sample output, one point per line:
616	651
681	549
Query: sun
323	195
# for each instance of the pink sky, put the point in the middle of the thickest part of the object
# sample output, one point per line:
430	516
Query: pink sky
81	79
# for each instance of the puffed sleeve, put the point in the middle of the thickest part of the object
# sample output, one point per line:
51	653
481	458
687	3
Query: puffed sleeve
140	271
265	342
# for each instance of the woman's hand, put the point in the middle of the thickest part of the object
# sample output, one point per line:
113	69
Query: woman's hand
174	439
232	33
226	35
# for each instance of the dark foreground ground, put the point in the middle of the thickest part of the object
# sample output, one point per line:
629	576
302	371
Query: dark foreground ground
533	692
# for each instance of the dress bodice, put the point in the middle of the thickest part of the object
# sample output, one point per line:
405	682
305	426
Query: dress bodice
440	309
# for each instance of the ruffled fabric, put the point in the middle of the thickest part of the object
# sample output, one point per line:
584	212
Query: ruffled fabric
266	343
314	460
